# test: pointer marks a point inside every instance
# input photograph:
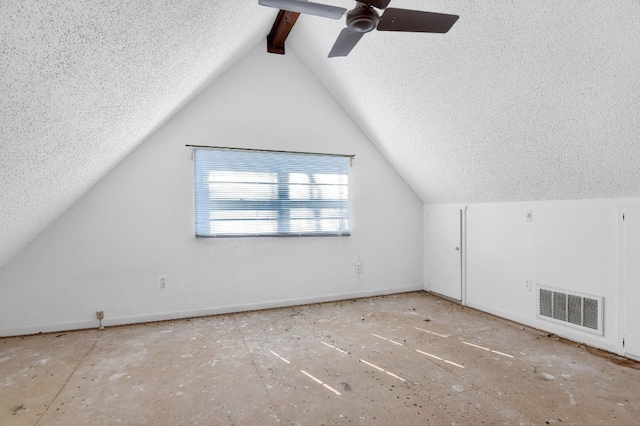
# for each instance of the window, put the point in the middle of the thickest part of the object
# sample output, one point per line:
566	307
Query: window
250	193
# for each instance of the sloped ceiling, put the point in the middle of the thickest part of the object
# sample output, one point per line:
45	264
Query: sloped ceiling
519	101
82	83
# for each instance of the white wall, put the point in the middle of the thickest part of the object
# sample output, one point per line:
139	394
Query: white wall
108	250
573	245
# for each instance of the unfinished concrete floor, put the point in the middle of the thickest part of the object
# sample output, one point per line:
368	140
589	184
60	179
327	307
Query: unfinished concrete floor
408	359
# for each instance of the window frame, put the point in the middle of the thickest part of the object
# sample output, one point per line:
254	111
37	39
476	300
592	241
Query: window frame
284	186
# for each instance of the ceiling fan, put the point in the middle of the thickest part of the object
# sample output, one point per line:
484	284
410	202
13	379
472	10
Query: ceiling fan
364	18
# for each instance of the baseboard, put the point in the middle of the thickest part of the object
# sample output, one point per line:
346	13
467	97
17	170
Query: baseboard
499	313
49	328
566	333
202	312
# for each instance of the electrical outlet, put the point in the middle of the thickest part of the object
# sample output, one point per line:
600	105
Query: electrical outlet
527	285
162	281
100	315
359	267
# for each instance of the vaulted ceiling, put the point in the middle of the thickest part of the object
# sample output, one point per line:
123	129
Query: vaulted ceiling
519	101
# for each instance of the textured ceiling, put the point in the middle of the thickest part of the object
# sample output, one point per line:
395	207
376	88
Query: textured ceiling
521	100
82	83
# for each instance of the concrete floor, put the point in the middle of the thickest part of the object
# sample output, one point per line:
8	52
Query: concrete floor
408	359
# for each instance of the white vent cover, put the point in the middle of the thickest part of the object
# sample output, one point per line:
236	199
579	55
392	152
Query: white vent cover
576	310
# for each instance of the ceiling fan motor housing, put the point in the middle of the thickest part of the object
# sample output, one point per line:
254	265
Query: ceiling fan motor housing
362	19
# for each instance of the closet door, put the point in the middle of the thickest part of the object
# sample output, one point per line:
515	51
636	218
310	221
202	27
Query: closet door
632	281
443	252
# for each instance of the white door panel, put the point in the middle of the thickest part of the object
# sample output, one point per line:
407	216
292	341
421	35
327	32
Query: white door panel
632	281
443	252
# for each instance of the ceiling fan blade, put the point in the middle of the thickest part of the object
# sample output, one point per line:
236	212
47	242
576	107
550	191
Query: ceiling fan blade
415	21
378	4
345	42
317	9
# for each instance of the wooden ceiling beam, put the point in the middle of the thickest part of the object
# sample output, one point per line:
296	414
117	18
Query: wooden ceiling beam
280	31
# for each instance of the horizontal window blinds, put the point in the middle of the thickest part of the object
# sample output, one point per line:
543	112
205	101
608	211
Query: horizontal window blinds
253	193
